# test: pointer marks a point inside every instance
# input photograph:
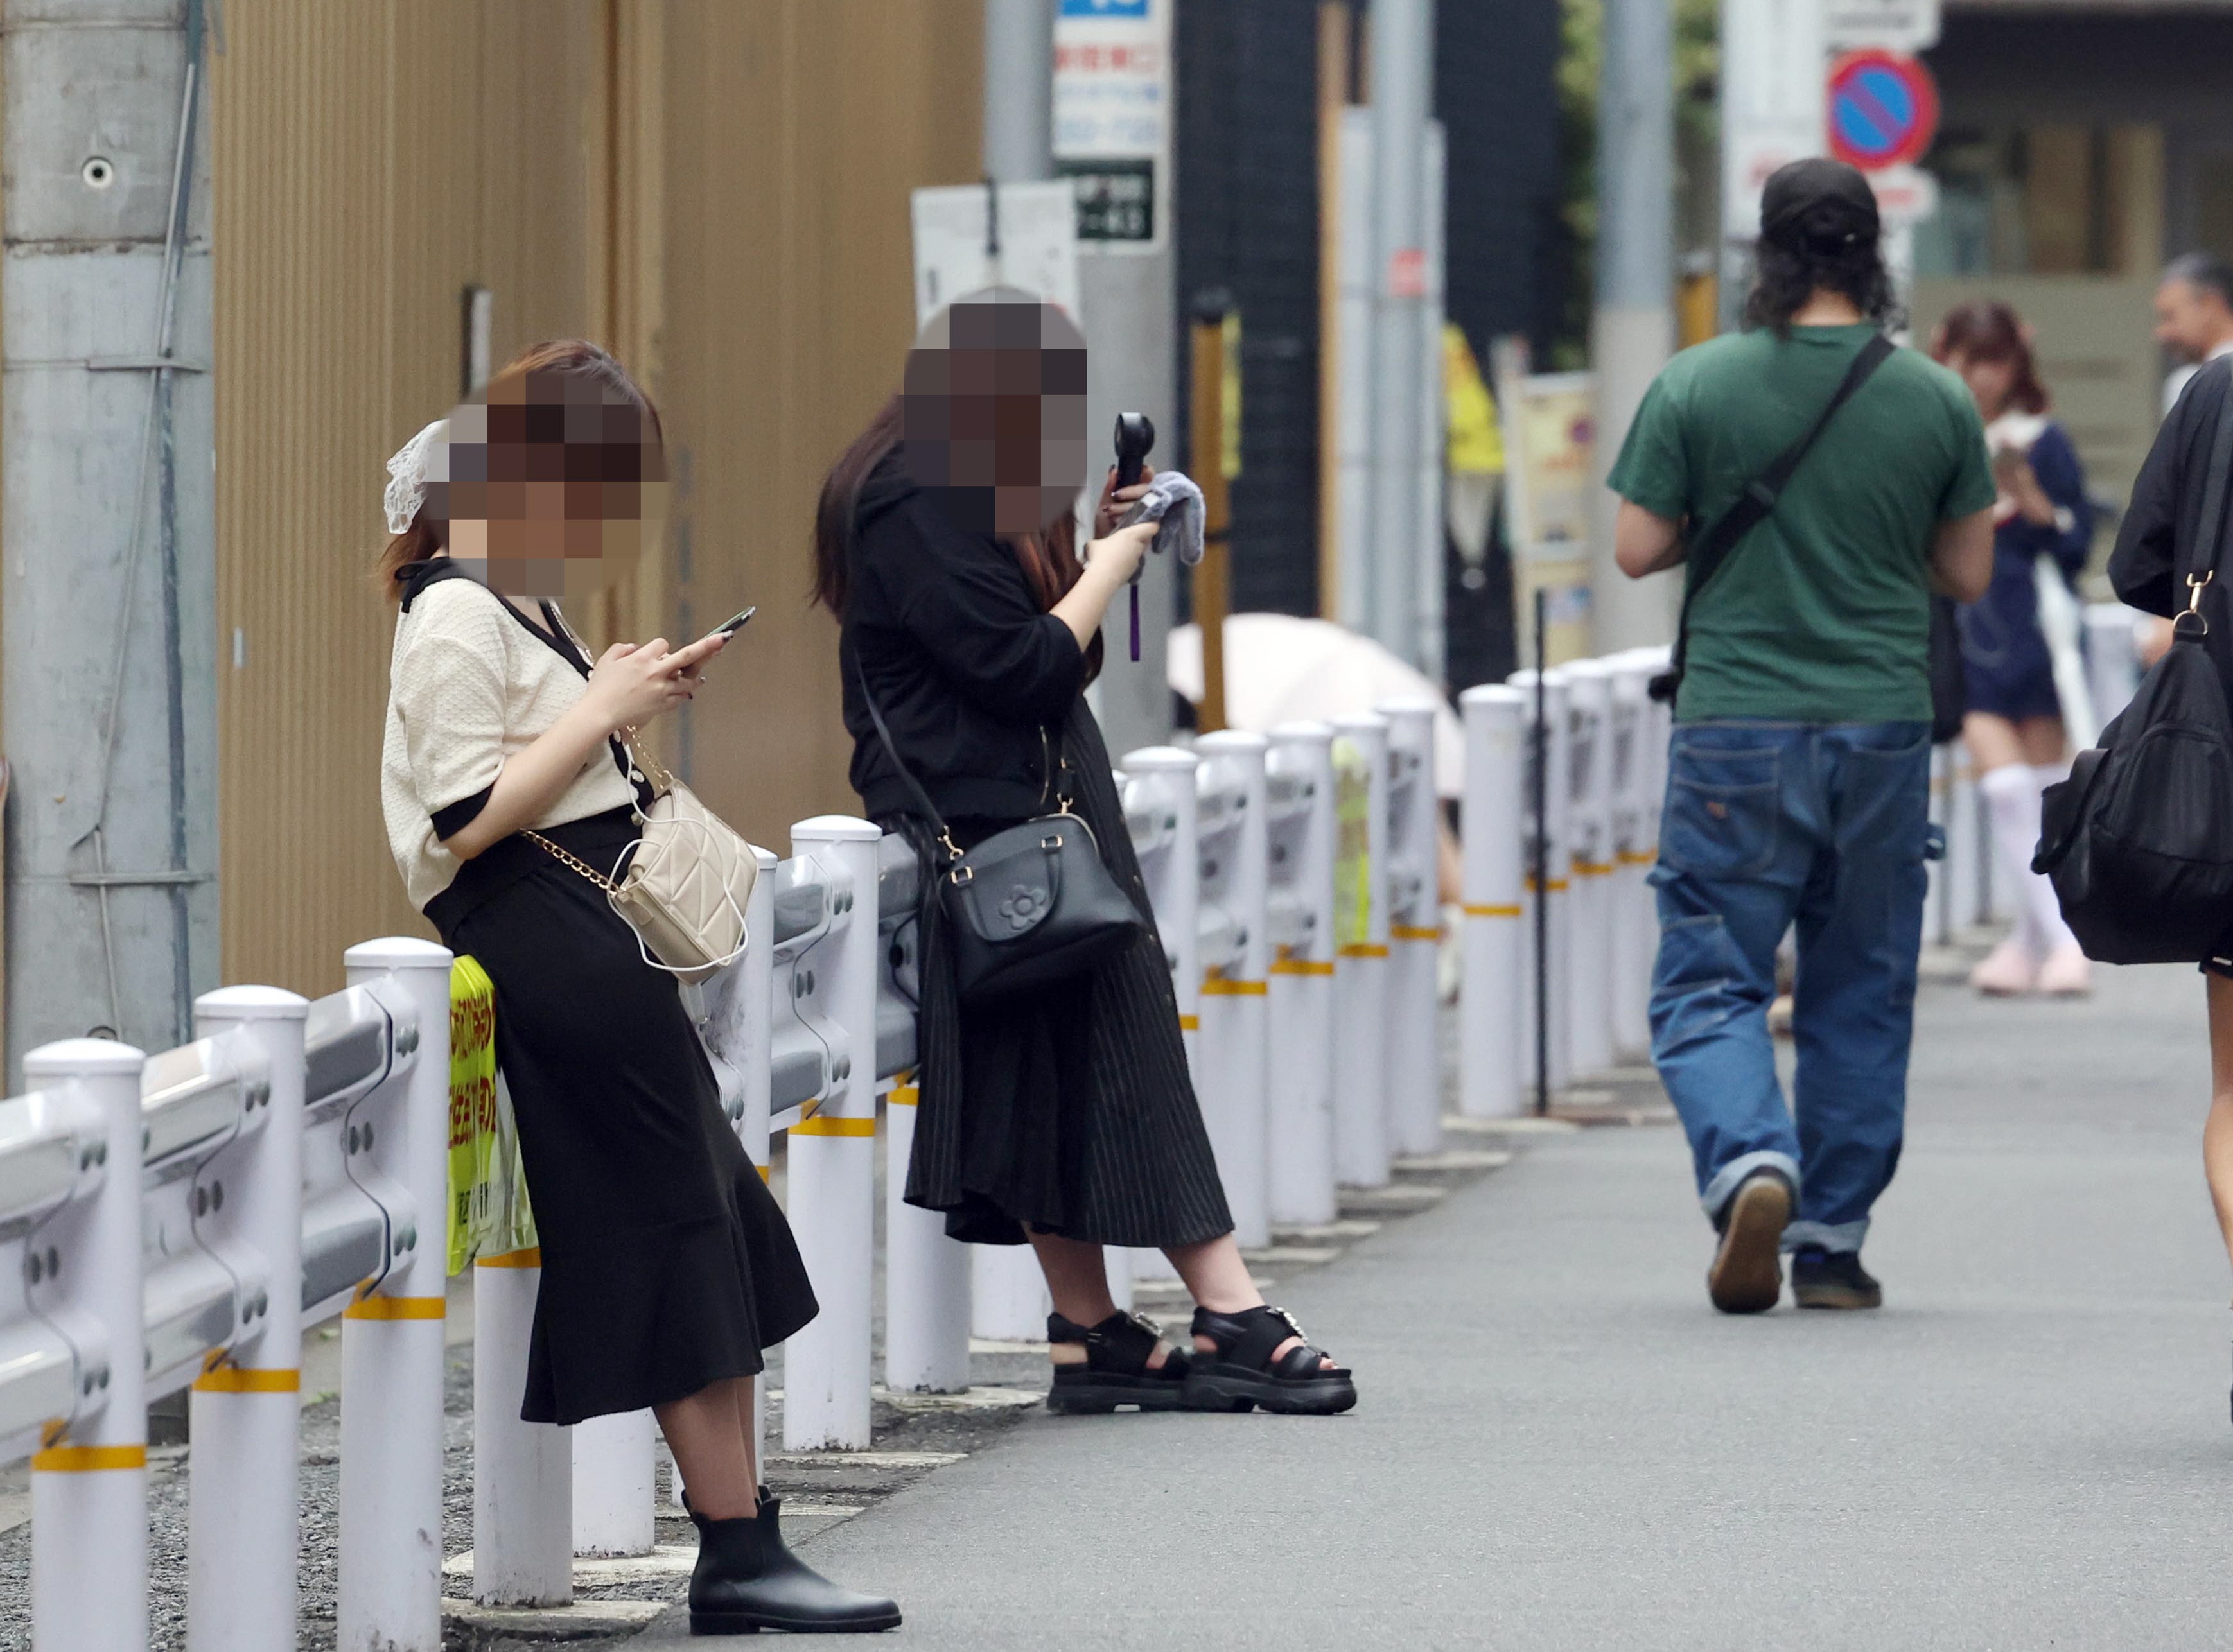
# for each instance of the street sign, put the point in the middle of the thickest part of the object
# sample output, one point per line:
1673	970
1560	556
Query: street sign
1904	195
1883	109
1889	25
959	247
1112	117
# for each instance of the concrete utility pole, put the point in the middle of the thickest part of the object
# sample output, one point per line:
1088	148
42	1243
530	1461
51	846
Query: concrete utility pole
108	522
1633	331
1403	48
1018	90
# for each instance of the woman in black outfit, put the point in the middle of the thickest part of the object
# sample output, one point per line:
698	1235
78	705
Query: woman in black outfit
666	1265
1065	1118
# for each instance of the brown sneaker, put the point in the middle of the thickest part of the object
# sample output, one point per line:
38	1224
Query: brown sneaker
1746	1276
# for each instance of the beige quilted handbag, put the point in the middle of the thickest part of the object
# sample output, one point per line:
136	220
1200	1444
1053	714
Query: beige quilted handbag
685	888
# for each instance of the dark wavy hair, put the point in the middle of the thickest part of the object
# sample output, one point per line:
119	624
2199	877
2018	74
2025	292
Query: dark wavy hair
1786	276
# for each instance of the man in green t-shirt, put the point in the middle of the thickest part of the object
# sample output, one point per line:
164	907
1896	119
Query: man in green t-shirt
1798	776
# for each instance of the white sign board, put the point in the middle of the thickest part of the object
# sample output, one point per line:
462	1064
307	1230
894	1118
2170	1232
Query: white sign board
1893	25
1774	111
1906	195
1112	119
959	248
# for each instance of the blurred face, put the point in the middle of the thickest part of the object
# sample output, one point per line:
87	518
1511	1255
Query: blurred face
2191	321
552	486
993	413
1990	381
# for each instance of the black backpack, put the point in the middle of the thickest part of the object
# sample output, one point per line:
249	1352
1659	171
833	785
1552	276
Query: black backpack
2138	841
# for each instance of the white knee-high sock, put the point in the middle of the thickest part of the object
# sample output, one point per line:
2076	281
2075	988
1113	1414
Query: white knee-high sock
2012	794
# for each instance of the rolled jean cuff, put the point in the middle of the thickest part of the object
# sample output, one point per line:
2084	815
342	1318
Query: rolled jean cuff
1843	1238
1727	1178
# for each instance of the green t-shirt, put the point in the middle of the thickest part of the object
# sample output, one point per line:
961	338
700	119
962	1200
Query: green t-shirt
1820	615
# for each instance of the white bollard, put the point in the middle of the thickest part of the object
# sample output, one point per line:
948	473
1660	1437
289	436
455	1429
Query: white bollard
758	986
926	1275
90	1483
1299	1004
1159	786
523	1472
243	1497
1415	933
1556	926
1008	1299
828	1372
1360	980
615	1491
1234	1038
2112	660
391	1471
1589	856
1635	924
1491	1083
1966	854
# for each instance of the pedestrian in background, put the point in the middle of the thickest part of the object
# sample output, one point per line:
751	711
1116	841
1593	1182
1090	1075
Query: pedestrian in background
2194	317
667	1265
2013	722
1799	770
1062	1116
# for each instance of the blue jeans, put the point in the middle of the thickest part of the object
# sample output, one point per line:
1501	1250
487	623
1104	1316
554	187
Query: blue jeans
1769	825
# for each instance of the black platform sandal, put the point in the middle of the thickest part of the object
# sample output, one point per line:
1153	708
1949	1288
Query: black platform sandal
1243	1374
1115	1371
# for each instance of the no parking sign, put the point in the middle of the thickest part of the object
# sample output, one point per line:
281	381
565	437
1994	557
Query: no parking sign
1883	109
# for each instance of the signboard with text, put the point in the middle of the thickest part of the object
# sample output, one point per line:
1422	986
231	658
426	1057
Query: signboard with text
1891	25
1112	119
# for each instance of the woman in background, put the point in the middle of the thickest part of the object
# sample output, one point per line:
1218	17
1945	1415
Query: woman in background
2013	724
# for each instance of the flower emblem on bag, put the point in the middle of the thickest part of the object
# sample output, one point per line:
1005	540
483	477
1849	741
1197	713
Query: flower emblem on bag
1026	905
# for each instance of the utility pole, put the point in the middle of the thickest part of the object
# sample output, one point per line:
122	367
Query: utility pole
1018	90
1401	601
1632	333
1773	112
108	521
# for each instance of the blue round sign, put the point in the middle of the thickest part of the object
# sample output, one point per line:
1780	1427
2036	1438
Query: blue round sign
1883	109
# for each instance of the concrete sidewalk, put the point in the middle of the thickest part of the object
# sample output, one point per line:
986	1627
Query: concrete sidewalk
1560	1445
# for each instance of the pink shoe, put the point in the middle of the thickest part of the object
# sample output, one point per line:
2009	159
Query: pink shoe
2007	972
2067	973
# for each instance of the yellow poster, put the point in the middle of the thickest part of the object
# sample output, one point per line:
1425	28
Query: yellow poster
1352	845
488	1208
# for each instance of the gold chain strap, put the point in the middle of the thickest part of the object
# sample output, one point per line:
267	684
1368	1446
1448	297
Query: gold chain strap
576	863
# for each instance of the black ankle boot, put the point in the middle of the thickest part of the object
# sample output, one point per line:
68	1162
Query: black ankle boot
747	1580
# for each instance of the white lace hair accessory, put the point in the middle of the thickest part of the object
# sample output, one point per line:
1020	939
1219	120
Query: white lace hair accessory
406	476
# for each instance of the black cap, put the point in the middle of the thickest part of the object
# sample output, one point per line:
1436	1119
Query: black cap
1818	205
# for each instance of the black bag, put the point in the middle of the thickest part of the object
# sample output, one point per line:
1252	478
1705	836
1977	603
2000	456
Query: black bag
1711	553
1031	906
2138	841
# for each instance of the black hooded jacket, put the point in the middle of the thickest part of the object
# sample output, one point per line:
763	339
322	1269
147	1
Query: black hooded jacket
974	681
2162	538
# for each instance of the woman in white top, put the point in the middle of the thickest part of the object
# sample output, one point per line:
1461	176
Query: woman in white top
667	1265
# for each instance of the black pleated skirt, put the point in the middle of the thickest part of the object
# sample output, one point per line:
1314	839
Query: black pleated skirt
667	1263
1069	1110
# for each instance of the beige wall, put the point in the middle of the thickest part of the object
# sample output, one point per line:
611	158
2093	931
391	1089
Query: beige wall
718	188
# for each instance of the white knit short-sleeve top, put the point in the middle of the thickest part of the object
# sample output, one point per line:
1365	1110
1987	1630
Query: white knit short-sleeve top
471	681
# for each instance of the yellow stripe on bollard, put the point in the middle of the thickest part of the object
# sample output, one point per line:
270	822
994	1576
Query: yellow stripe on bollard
231	1379
87	1459
529	1258
1218	987
1475	909
1558	886
1639	857
821	1125
396	1308
1189	1023
1414	932
1591	869
904	1095
1303	966
1363	949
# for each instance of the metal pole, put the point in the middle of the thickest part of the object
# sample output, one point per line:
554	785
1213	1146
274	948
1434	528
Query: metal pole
108	510
1212	579
1540	790
1633	330
1402	72
1018	90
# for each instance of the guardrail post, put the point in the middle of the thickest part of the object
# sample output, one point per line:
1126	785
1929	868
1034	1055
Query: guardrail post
1415	933
1360	976
1556	797
1301	924
244	1496
391	1492
523	1472
1589	899
1494	979
615	1493
1966	858
1234	1031
2112	658
1159	781
1635	922
90	1487
832	1164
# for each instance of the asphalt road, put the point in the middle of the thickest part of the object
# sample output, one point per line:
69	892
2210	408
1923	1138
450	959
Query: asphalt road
1561	1445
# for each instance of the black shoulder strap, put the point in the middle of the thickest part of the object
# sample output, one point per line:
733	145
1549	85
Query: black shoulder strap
1711	552
884	732
2211	527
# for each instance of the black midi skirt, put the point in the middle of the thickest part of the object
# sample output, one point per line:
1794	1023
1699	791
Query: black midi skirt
1070	1111
667	1263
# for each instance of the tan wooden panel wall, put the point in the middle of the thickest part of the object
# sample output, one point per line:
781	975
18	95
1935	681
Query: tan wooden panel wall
716	187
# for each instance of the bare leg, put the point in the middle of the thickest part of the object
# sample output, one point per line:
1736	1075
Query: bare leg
1218	1279
1078	1279
2043	741
2217	1132
711	1435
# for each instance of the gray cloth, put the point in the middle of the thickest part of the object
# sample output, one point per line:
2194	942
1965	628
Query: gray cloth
1174	503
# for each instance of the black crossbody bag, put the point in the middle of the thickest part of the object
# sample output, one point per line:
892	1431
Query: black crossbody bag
1031	906
1711	554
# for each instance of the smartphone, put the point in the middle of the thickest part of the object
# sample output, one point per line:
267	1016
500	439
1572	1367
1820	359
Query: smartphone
734	623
